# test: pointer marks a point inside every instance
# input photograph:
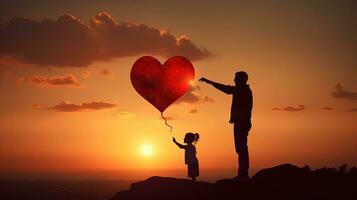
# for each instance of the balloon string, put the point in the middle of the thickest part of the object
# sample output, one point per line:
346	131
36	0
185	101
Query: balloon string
164	118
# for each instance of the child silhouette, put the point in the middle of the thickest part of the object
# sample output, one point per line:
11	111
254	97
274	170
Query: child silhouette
190	154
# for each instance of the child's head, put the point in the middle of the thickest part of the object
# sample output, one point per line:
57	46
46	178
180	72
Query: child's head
191	137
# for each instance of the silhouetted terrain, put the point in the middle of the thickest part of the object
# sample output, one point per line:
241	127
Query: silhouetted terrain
281	182
60	189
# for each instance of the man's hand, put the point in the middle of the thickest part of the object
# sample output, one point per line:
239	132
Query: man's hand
203	79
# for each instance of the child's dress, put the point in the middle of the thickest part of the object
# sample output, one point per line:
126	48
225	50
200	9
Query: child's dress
191	160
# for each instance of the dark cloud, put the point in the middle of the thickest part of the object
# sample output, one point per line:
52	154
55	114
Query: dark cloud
291	108
341	93
67	41
5	72
35	106
67	80
192	97
86	74
327	108
105	72
2	72
193	111
189	97
352	110
207	99
91	106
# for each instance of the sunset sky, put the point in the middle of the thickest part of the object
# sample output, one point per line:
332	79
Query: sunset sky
67	103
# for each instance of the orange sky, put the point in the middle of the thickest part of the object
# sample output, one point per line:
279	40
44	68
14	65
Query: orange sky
295	54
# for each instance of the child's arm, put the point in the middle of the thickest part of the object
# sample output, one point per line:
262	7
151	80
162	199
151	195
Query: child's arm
178	144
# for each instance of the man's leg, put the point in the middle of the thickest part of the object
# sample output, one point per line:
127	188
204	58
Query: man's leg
240	139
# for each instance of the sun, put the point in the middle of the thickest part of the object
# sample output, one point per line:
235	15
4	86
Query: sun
147	150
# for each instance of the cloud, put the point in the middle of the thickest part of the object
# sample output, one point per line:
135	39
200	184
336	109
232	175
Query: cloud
86	74
35	106
67	41
207	99
126	115
192	97
341	93
193	111
67	80
2	72
327	108
105	72
291	109
352	110
91	106
5	72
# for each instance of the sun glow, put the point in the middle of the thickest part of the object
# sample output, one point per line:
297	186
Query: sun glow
147	150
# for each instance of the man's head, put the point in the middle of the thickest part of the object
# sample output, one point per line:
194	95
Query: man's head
241	78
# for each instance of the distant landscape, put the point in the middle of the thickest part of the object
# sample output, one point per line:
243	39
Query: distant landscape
210	175
96	185
61	189
270	183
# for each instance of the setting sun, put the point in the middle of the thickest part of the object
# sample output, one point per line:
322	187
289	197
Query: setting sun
147	150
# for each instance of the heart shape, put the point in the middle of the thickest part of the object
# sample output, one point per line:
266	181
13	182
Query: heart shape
161	85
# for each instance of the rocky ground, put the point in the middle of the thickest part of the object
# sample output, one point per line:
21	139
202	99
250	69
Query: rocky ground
285	181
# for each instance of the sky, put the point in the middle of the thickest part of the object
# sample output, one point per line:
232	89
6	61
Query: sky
67	103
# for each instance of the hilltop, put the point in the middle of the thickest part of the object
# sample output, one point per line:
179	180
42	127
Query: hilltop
285	181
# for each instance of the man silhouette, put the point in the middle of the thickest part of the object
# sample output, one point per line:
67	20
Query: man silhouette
242	103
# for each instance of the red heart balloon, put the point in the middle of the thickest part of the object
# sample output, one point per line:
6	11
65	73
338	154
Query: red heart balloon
161	85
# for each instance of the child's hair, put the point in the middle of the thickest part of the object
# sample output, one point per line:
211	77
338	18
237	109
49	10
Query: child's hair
192	137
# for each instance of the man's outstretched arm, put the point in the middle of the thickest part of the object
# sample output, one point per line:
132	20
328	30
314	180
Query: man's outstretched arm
224	88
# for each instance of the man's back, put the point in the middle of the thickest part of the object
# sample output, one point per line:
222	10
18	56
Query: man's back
242	104
242	101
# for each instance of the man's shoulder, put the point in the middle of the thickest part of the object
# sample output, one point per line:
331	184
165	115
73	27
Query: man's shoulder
245	88
231	87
